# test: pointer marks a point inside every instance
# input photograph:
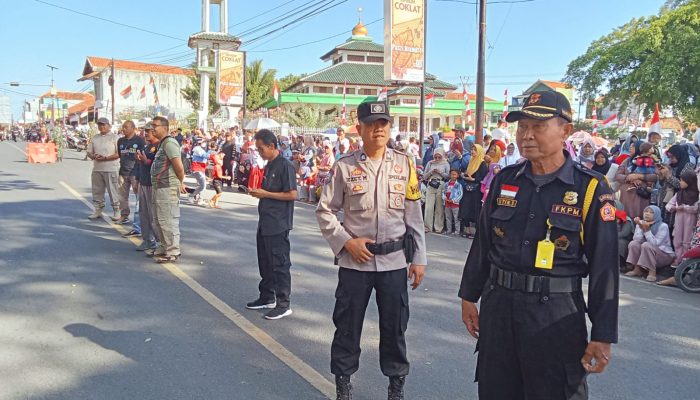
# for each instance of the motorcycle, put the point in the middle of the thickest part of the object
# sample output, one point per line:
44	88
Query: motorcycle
688	275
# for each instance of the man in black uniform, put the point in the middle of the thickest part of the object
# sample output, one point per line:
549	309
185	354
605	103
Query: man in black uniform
276	210
547	223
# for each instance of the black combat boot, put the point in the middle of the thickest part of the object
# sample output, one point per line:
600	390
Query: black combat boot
343	388
396	387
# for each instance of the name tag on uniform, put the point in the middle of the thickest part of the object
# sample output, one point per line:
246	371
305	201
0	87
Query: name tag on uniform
545	254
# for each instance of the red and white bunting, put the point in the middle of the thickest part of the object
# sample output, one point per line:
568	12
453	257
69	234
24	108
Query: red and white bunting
430	100
382	94
655	125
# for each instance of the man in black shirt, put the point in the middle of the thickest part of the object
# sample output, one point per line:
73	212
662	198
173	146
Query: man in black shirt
276	211
546	224
128	145
145	157
229	150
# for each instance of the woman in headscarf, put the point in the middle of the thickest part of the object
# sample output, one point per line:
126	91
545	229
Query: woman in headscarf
625	151
586	154
601	164
670	178
511	157
494	152
634	187
650	247
486	183
685	206
433	143
470	205
436	171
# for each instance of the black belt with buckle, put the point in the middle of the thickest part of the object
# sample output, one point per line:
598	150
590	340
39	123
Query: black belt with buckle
379	249
532	283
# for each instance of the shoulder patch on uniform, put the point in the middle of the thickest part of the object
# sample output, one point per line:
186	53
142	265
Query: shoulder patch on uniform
607	213
606	197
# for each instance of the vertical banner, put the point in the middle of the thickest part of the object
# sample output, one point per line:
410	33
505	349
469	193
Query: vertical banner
404	40
230	78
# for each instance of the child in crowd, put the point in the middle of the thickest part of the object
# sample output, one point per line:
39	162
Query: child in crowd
685	205
303	182
644	163
452	194
218	177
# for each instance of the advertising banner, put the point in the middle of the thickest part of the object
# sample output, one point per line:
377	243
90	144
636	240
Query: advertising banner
230	78
404	40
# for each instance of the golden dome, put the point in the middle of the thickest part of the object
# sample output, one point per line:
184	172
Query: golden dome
359	30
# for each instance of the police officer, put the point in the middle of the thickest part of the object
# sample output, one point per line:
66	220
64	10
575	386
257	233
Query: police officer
547	223
377	189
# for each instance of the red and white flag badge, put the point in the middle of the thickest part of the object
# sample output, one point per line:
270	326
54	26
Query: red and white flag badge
509	191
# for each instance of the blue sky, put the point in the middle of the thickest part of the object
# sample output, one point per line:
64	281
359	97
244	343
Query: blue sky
527	40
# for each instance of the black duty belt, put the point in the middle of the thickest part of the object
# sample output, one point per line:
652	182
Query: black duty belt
532	283
379	249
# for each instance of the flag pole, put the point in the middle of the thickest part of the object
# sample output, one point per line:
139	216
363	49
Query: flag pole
113	118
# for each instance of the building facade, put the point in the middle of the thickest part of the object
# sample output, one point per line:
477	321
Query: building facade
148	89
357	69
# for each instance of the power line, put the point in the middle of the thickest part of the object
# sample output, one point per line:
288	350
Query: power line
292	13
262	13
510	7
155	52
490	2
22	93
312	42
309	15
108	20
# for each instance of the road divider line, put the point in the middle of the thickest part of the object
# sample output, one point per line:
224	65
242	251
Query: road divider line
296	364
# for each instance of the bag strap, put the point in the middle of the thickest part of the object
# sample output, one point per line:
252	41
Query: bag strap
587	201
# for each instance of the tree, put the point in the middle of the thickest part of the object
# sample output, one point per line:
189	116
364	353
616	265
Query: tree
259	84
645	61
287	81
310	116
191	93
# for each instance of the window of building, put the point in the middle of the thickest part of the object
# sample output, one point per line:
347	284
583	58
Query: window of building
375	59
352	57
394	102
414	125
350	91
337	60
368	92
410	101
322	89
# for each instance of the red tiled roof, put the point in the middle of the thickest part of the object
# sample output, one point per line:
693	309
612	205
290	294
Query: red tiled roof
82	106
101	63
556	85
70	95
459	96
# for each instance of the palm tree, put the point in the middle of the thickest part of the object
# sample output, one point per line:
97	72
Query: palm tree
259	84
309	116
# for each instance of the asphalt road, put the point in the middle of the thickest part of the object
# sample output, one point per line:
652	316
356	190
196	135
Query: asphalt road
84	316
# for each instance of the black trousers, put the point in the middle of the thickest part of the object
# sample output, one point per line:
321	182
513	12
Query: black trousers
274	263
352	296
530	348
228	170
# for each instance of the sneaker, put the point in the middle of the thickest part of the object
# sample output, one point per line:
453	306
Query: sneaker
278	313
117	215
260	304
96	214
122	221
132	233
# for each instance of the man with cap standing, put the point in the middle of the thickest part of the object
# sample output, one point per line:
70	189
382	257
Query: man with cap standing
128	171
145	157
547	223
376	188
103	150
167	176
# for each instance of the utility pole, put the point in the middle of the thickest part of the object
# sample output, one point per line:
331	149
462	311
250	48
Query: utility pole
481	75
53	95
421	125
111	78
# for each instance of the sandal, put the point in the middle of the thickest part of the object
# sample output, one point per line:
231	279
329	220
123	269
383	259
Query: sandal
667	282
166	259
650	278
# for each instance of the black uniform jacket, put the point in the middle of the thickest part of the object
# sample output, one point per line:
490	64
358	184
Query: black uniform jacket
514	220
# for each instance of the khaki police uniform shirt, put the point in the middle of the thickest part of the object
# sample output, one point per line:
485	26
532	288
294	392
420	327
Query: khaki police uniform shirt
380	205
105	145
